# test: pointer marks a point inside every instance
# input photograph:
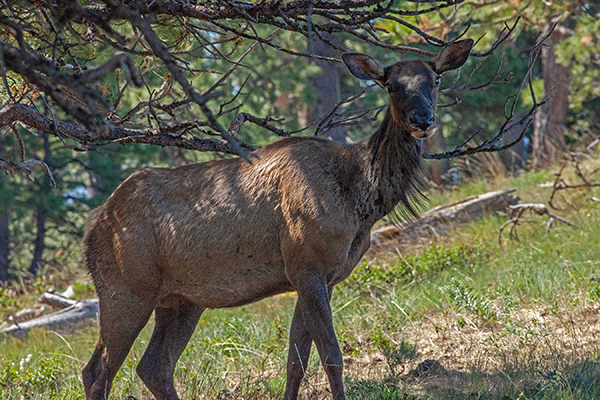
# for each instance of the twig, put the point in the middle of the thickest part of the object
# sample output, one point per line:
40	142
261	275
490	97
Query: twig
518	210
560	184
24	168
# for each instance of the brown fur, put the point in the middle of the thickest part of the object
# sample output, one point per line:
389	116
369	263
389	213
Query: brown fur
227	233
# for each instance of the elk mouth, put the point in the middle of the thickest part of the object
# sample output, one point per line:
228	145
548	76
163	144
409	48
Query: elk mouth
423	134
422	124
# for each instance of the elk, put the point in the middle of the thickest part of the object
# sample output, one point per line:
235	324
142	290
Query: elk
178	241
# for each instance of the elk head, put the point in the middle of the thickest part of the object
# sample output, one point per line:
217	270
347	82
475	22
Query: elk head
412	85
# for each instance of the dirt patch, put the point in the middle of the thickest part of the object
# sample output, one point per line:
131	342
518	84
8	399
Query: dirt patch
528	351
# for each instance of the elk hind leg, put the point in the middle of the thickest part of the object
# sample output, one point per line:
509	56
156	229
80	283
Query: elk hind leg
298	353
173	329
122	317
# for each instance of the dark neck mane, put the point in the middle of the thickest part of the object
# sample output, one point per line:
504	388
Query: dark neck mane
394	173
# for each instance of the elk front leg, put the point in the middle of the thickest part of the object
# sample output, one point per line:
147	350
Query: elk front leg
298	353
313	302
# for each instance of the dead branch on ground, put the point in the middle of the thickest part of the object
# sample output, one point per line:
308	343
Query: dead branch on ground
83	311
517	211
571	160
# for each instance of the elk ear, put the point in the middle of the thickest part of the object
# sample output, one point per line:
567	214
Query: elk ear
453	56
363	66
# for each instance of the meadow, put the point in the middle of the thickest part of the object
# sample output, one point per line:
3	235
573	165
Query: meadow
513	320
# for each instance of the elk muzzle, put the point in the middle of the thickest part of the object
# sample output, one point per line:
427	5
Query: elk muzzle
423	124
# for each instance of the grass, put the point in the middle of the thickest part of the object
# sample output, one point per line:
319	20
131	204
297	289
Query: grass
521	321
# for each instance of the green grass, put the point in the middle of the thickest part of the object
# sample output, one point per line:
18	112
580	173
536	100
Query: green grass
517	321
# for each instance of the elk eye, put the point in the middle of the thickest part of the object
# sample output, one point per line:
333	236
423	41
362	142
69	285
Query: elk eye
437	81
388	87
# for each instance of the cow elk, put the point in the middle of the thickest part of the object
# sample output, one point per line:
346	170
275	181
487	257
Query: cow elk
178	241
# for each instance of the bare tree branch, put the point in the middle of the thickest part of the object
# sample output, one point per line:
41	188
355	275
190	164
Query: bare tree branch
264	122
166	136
24	168
497	142
38	41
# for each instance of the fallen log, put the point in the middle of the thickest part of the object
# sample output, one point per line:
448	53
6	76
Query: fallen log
56	300
439	220
29	313
66	319
45	303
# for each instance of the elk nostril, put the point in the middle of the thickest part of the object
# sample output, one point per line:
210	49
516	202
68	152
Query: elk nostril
431	119
415	119
421	121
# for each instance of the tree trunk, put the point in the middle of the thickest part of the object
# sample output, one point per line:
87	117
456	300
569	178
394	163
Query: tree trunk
327	84
514	158
4	246
39	243
550	121
4	232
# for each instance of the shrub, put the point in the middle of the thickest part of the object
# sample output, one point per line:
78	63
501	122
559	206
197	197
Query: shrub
42	380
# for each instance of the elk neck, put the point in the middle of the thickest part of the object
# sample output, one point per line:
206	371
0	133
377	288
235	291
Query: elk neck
392	173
